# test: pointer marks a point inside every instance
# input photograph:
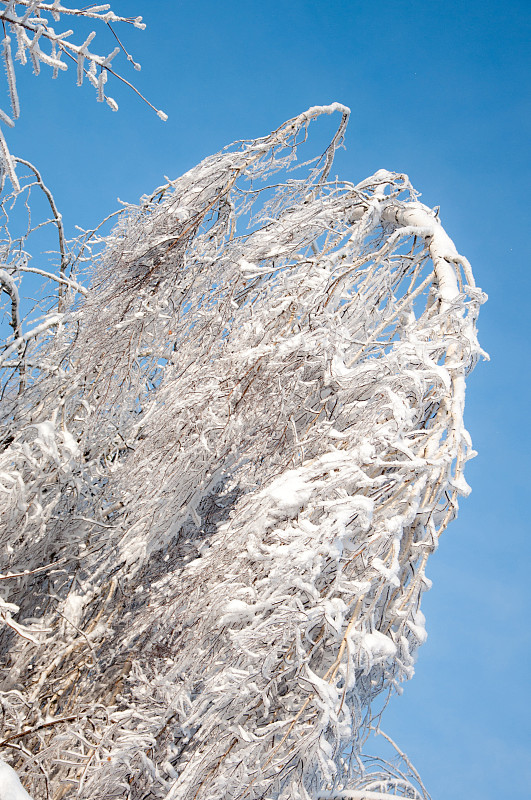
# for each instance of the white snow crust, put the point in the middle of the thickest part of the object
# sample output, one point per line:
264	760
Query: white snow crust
10	785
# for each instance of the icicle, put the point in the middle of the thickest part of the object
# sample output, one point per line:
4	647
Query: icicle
11	79
22	44
8	162
35	51
80	68
102	80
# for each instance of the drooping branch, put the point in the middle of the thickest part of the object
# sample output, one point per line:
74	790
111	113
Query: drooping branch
243	443
56	215
9	286
49	322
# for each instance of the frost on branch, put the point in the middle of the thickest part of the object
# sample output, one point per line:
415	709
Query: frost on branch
30	37
225	468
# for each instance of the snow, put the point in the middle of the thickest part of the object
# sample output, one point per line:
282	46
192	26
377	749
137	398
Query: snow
378	646
417	626
70	444
73	607
10	785
289	493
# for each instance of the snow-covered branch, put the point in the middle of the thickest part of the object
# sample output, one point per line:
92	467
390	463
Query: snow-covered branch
354	794
240	448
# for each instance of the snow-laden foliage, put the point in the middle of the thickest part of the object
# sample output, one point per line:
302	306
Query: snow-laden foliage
224	469
30	38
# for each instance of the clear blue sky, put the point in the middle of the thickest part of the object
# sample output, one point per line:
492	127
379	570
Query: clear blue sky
437	90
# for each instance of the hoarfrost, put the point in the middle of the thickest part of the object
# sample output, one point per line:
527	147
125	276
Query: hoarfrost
223	472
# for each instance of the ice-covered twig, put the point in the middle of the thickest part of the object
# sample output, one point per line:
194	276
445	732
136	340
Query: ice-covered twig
33	26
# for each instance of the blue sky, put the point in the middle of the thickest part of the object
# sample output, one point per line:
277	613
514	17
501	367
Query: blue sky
437	90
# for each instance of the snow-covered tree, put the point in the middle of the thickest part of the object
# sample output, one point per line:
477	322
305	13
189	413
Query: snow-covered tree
228	452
